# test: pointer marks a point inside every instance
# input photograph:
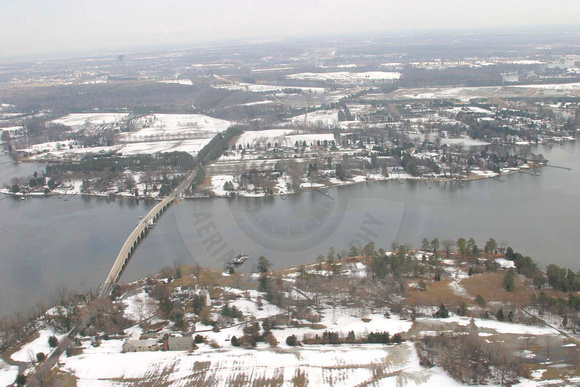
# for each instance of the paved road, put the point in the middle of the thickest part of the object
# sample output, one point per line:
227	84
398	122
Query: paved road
43	372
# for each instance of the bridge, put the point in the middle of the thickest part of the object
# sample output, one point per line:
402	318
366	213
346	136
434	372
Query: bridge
43	372
137	236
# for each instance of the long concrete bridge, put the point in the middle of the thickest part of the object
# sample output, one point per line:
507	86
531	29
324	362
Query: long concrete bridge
138	234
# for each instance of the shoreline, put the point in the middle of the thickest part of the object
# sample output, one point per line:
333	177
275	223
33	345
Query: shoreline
485	175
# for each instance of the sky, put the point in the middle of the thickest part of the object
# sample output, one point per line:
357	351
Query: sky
40	27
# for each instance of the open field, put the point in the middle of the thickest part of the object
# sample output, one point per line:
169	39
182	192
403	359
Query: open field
79	120
167	126
346	77
464	94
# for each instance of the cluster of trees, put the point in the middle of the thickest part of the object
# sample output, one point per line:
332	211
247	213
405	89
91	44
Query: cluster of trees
253	335
470	360
177	161
562	279
329	337
216	147
142	97
232	312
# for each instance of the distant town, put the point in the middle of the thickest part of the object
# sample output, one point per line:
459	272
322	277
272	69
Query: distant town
324	118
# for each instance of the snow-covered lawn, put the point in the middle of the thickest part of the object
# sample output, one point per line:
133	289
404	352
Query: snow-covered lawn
8	374
217	183
28	352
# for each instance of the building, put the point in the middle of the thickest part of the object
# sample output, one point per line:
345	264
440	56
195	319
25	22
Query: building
180	343
135	343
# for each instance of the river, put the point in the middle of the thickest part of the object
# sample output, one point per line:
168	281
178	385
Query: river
50	244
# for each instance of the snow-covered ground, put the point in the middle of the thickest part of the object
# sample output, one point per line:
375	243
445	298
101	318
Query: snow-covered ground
190	146
267	88
314	365
494	325
347	77
8	374
326	118
78	121
64	152
466	93
187	82
465	141
285	138
28	352
168	126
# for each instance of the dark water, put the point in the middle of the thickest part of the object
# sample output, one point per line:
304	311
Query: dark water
50	243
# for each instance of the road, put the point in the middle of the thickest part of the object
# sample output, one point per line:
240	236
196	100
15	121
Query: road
141	230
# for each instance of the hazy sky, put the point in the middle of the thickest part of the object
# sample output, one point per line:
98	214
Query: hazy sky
53	26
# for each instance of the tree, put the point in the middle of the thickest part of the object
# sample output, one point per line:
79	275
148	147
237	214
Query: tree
353	251
480	300
263	283
263	264
490	246
448	246
471	246
435	245
235	342
424	244
292	340
40	357
52	341
369	250
20	380
340	172
499	315
508	282
462	246
443	312
421	286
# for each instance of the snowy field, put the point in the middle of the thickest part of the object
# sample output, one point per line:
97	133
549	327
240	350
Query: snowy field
78	120
186	82
167	126
139	148
326	118
465	141
50	147
267	88
74	153
466	93
313	365
347	77
285	138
